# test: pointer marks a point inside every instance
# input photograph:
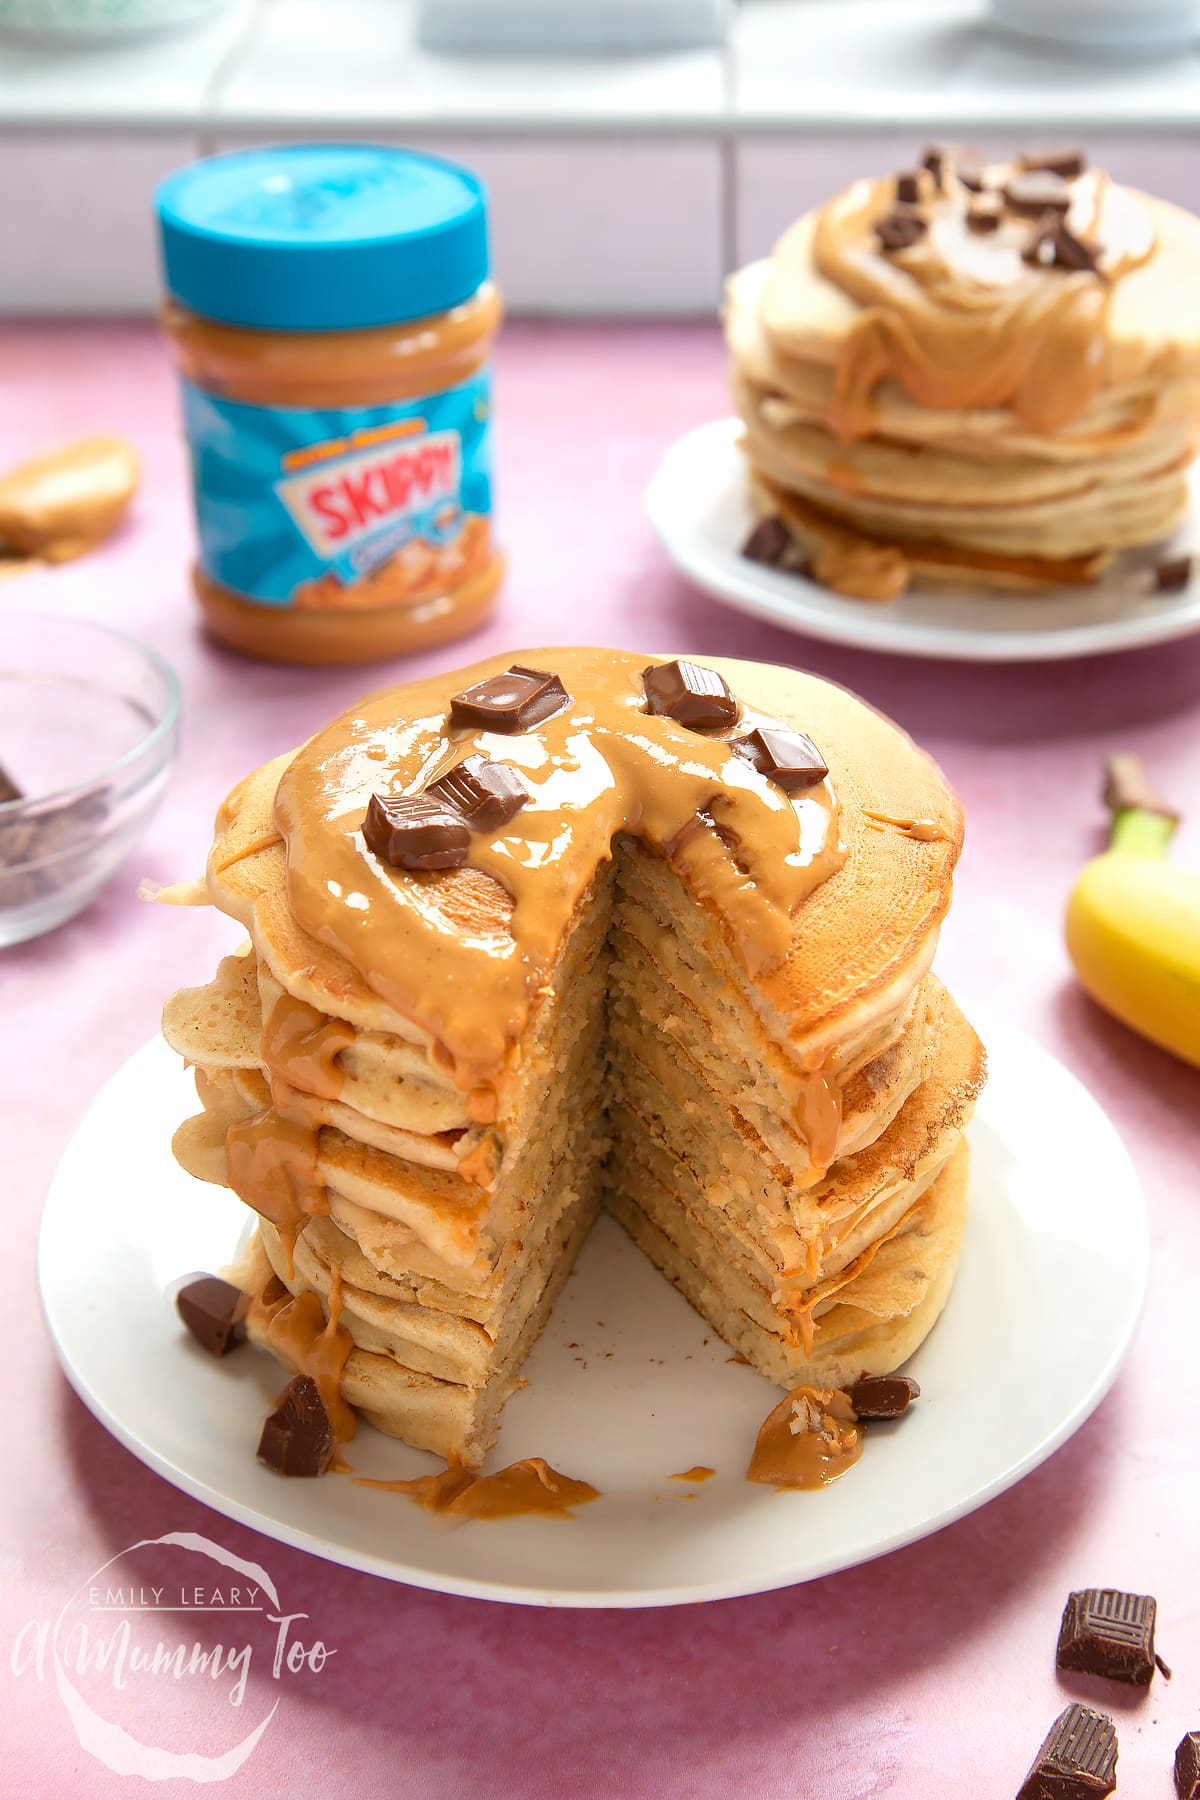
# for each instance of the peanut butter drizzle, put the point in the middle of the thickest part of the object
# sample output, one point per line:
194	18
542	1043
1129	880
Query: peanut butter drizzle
530	1486
960	320
864	571
271	1162
807	1441
925	831
301	1336
60	504
699	1473
300	1047
466	965
819	1116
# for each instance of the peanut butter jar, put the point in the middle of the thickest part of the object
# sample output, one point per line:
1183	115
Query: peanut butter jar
332	317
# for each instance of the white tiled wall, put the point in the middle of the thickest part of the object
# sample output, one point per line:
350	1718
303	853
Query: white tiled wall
578	224
619	185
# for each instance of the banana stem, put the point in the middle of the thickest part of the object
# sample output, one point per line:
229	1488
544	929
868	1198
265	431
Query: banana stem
1142	823
1139	833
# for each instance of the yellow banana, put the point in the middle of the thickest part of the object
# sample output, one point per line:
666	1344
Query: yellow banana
1133	920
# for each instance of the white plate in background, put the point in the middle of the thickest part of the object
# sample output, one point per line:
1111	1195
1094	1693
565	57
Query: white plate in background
627	1384
699	505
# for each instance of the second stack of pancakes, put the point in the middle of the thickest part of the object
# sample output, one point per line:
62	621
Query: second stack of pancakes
973	367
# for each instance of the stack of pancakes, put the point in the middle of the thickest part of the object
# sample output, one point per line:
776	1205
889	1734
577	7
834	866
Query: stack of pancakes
974	368
688	979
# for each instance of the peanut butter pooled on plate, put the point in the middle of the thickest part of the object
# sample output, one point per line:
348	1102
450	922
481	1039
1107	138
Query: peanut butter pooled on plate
62	503
529	1486
807	1441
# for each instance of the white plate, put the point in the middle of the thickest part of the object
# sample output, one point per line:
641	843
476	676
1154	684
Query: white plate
627	1384
699	505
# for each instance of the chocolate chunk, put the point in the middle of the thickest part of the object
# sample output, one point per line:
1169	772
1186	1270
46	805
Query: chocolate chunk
697	697
486	793
788	758
209	1309
1070	252
8	788
1037	191
1187	1767
972	175
274	1289
1077	1760
297	1438
1110	1633
1172	575
768	543
510	702
908	187
1066	162
900	230
1052	245
985	213
882	1396
413	831
938	158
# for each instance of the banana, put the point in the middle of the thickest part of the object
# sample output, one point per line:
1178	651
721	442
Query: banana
1133	919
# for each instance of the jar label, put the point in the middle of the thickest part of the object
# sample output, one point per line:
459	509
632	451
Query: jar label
354	506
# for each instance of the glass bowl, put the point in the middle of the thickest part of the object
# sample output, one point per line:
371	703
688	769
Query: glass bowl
89	720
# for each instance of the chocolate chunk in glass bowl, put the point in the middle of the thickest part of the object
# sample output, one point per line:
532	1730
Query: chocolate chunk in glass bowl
210	1308
1078	1758
788	758
8	788
297	1438
414	831
1033	192
768	543
487	793
1065	160
510	702
696	697
1109	1633
899	230
882	1396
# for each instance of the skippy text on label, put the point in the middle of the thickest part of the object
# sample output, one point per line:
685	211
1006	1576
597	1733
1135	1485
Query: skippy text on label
286	496
340	505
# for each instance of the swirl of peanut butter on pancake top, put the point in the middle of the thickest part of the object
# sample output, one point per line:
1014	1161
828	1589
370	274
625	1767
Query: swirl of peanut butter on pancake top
465	952
961	320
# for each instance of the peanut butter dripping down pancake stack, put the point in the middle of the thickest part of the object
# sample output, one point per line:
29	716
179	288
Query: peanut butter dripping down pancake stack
532	938
971	368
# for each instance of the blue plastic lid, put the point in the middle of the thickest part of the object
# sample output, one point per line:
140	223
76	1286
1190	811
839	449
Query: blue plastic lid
322	237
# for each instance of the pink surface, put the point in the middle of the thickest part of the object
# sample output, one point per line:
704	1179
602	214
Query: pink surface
926	1674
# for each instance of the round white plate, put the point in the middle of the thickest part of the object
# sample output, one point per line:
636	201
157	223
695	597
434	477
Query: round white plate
699	505
627	1385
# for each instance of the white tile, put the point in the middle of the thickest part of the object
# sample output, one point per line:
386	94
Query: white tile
777	177
85	204
356	64
596	225
158	80
936	65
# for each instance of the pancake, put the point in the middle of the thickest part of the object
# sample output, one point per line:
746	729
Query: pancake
685	981
967	404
